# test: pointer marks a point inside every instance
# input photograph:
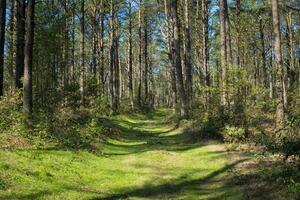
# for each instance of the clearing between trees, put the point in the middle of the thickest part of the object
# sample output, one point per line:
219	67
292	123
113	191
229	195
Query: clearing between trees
147	158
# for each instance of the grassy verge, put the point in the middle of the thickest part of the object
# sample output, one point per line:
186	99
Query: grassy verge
147	158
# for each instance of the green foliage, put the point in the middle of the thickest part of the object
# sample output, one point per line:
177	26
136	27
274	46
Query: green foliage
233	134
10	113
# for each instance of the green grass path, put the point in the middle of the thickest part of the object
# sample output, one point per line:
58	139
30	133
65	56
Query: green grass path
149	159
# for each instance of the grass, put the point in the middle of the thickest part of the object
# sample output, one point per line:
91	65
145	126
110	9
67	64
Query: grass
149	159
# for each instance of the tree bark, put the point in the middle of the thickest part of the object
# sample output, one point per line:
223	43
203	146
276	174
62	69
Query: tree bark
11	43
27	84
279	66
82	53
188	57
170	35
102	78
20	42
139	96
146	69
238	40
263	53
2	38
94	41
205	5
223	59
130	59
177	46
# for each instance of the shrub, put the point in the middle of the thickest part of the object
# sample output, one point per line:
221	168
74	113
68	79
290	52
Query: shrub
233	134
11	116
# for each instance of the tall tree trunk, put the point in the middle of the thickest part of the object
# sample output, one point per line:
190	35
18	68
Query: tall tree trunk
146	69
102	46
205	46
139	96
188	57
279	66
94	41
238	40
114	63
82	53
11	49
291	70
170	35
263	53
224	64
117	70
177	46
112	57
20	42
228	35
2	38
130	59
27	85
73	45
66	45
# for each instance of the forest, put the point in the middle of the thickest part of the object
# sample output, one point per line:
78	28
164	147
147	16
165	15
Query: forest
150	99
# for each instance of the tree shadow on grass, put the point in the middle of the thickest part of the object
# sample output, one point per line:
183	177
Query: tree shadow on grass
35	195
172	188
135	138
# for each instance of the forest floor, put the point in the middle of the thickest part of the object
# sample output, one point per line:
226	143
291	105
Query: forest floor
149	159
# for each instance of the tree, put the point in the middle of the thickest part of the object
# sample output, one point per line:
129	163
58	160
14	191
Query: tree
205	45
82	53
2	37
21	4
187	56
130	55
146	69
177	46
278	65
27	84
223	59
139	96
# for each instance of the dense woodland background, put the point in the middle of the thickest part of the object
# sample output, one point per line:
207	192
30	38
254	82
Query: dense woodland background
229	69
233	62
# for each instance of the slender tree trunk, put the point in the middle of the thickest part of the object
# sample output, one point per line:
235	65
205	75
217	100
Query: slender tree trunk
94	41
223	52
112	57
11	50
73	45
228	36
291	72
82	53
205	5
279	66
2	38
271	74
20	42
139	96
102	47
117	71
188	57
130	59
170	34
66	45
238	40
27	85
263	53
177	46
146	70
205	46
114	63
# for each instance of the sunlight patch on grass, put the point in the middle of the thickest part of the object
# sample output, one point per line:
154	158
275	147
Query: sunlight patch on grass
138	165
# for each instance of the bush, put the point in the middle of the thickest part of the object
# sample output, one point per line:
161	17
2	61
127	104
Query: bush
11	116
233	134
